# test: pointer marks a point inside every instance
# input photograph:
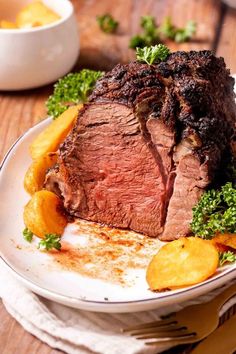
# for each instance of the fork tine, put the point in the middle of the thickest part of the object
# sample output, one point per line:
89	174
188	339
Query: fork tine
168	329
171	314
155	324
170	339
175	333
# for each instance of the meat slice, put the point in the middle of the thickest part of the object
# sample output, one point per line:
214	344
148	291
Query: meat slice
116	169
148	143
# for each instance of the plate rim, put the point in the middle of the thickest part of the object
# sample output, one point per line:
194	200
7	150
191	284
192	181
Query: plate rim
201	288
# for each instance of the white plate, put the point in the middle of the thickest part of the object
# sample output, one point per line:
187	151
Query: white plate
39	271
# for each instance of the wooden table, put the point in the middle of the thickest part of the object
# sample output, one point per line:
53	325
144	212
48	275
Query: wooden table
20	110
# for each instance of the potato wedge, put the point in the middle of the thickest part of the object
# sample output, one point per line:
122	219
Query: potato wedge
35	175
42	215
182	262
227	240
50	139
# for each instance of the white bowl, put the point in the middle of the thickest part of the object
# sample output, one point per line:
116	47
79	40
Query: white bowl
37	56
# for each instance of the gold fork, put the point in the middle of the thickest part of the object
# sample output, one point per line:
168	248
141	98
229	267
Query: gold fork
189	325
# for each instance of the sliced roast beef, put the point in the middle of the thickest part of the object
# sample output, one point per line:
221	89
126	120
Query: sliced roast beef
148	143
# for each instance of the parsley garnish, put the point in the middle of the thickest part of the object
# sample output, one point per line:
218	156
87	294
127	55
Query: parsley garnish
28	235
71	89
168	30
137	41
226	257
149	36
186	33
152	34
215	212
107	23
49	242
153	54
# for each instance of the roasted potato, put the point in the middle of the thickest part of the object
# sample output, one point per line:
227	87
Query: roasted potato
36	14
35	175
43	214
7	24
50	139
224	241
182	262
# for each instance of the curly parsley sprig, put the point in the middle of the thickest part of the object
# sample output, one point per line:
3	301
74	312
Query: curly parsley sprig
226	257
49	242
153	54
186	33
107	23
153	34
28	235
215	212
71	89
149	36
169	30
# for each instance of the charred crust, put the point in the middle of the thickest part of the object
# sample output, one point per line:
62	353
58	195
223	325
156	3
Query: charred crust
198	82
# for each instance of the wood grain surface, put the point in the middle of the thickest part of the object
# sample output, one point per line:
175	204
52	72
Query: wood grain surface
20	110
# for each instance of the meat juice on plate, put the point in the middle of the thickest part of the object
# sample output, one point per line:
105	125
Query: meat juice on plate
102	252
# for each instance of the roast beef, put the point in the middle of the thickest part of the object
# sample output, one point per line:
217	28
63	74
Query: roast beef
148	143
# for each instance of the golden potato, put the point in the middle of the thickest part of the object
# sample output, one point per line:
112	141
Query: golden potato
50	139
35	175
7	24
182	262
36	14
43	214
225	240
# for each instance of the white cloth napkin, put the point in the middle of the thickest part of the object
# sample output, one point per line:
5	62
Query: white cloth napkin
76	331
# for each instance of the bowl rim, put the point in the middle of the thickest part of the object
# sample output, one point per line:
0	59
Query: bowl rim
44	27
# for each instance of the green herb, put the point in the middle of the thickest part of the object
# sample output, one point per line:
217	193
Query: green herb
185	34
152	34
149	26
107	23
153	54
226	257
49	242
28	235
71	89
149	36
137	41
168	30
215	212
